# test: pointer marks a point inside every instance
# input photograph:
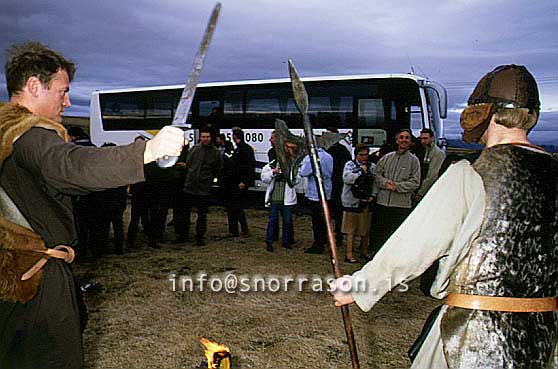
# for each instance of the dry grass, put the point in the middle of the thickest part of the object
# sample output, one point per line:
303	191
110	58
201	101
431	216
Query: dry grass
137	321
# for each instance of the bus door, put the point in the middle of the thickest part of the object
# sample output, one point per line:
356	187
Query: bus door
370	125
379	120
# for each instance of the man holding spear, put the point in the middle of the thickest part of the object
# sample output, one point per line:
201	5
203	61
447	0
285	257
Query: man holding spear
494	227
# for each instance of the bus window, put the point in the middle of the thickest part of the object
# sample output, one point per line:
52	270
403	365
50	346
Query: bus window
263	111
208	108
371	122
233	111
137	110
370	113
264	105
374	107
319	109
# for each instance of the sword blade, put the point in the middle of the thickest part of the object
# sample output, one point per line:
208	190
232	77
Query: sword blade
185	103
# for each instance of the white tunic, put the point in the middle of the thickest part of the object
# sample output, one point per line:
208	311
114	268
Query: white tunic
443	225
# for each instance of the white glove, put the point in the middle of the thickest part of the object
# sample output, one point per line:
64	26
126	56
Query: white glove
168	142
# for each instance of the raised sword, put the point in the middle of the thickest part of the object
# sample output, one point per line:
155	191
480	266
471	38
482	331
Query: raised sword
185	103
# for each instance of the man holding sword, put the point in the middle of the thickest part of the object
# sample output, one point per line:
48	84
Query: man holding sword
41	170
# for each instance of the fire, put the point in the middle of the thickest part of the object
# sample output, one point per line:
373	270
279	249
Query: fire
218	356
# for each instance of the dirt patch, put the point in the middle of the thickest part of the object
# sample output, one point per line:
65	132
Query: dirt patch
137	321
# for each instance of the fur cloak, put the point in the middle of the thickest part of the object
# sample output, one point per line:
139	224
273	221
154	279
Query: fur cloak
19	244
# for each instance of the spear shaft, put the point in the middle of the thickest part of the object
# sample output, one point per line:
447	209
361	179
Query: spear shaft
301	102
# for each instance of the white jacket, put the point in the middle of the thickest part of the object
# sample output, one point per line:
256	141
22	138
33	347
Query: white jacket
268	177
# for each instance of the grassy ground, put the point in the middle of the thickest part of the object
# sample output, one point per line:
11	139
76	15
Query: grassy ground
137	321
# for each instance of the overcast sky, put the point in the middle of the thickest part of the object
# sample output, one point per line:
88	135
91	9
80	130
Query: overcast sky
142	43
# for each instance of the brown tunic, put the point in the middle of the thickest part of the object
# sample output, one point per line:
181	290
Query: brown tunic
40	175
43	171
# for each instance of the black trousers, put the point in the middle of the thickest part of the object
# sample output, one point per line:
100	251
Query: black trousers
157	211
319	227
182	217
138	213
236	203
336	210
179	216
114	217
385	221
45	332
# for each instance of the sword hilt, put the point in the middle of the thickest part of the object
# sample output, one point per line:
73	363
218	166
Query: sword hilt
167	161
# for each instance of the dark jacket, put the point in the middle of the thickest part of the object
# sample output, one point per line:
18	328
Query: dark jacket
203	165
340	156
245	162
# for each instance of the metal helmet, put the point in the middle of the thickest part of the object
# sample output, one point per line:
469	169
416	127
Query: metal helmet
506	87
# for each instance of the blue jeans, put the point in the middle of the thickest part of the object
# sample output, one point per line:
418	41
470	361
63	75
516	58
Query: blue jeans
273	222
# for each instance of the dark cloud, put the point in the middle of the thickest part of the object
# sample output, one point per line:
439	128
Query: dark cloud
141	43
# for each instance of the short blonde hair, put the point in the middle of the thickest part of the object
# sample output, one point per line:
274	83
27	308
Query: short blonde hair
516	118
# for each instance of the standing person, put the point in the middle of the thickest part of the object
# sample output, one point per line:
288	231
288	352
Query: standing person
356	214
271	154
430	163
178	196
280	197
203	165
158	192
341	156
113	204
242	175
220	143
494	224
85	209
40	171
319	227
138	208
397	177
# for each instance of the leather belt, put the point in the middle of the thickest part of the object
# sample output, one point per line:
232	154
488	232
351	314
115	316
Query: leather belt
59	252
506	304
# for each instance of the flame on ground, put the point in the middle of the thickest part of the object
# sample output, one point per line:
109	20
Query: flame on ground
210	349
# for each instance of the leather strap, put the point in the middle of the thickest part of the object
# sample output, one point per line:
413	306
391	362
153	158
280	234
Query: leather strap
506	304
65	253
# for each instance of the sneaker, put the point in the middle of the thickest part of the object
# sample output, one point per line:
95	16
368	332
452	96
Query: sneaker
287	246
245	234
200	242
269	247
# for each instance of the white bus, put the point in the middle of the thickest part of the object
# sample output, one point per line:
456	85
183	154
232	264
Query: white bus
371	107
